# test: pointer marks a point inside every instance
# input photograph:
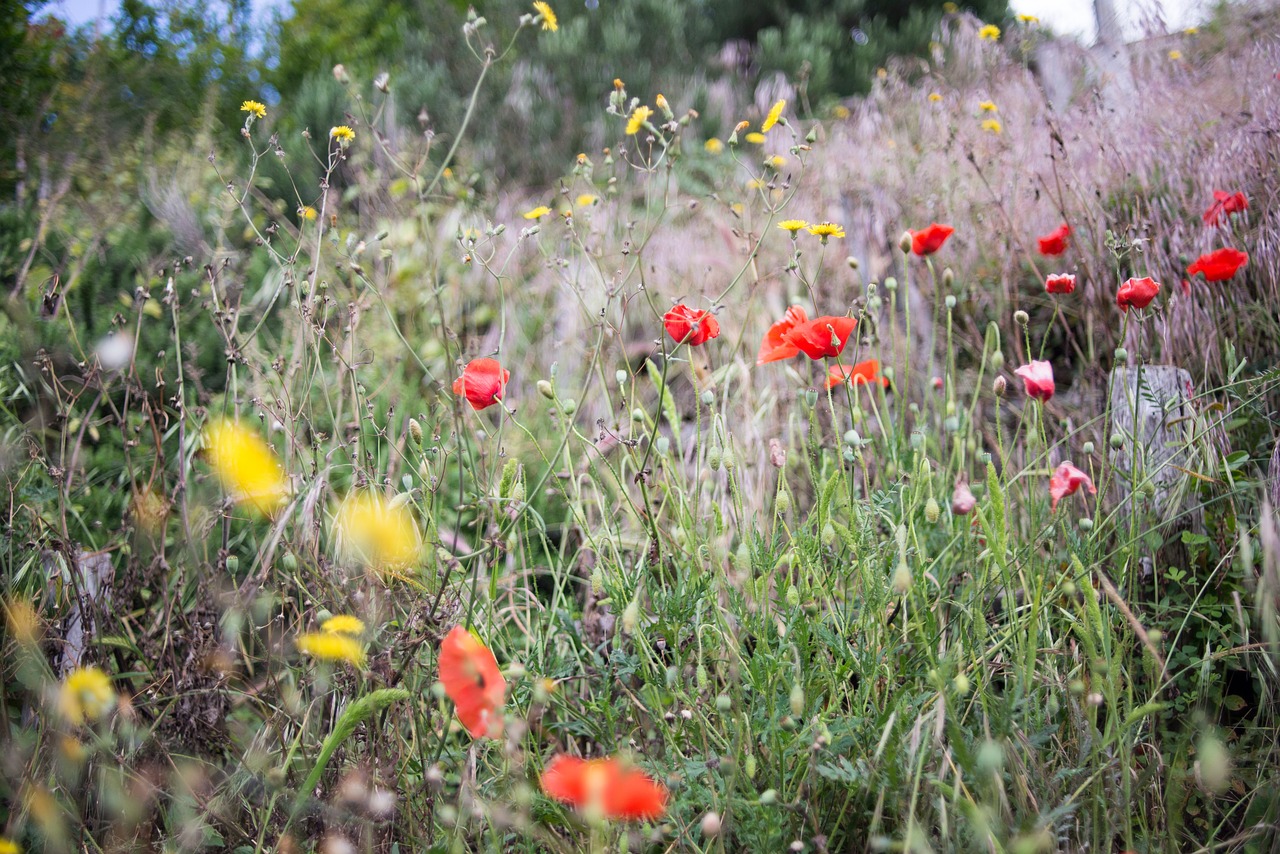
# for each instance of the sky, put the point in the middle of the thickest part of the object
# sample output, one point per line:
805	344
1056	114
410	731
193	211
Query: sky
1073	17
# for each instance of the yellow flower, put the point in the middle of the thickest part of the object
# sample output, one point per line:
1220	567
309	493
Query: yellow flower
22	619
793	226
549	21
1175	55
537	213
343	624
586	199
86	695
840	111
950	8
882	73
381	533
755	138
661	101
330	646
713	146
988	107
307	212
637	120
1191	31
990	32
257	109
755	184
1028	19
992	126
826	230
775	115
245	465
9	847
935	97
343	134
777	161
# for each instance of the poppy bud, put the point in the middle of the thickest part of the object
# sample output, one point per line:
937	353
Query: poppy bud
749	765
415	431
708	397
723	703
713	459
729	459
996	360
545	389
904	242
1021	318
783	502
637	415
1122	355
797	700
990	758
340	74
662	445
1086	524
769	797
1155	635
568	406
382	82
951	301
951	424
700	675
999	386
1117	441
961	684
621	377
289	561
948	278
931	510
710	825
890	284
852	262
901	578
852	438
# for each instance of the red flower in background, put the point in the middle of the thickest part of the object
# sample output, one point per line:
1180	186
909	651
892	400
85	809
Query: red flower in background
1038	379
1055	242
929	240
606	786
692	326
863	373
821	337
1060	283
1137	293
773	348
471	678
1067	480
482	383
1219	265
1224	204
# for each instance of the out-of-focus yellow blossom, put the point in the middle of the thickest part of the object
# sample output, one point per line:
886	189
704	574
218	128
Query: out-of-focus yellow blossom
777	161
755	138
307	212
990	33
536	213
826	230
988	107
992	126
950	8
1028	19
549	20
935	97
331	646
86	695
586	200
775	115
1175	55
840	111
378	532
245	465
713	146
8	846
343	624
22	620
637	120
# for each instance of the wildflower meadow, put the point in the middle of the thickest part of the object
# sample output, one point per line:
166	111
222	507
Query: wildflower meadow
784	472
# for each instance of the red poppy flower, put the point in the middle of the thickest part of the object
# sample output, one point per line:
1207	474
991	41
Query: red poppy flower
1219	265
1137	293
1055	242
1067	480
604	785
863	373
822	336
1060	283
692	326
929	240
482	383
471	678
1224	204
773	348
1038	379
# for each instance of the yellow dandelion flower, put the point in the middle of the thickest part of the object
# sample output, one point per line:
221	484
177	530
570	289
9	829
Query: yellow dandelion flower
840	111
537	213
934	97
86	695
661	101
330	646
257	109
755	184
777	161
586	200
775	115
755	138
950	8
826	230
737	208
1028	19
1175	55
793	226
638	119
307	212
990	33
713	146
342	134
383	534
245	465
992	126
8	846
988	107
882	73
343	624
549	20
